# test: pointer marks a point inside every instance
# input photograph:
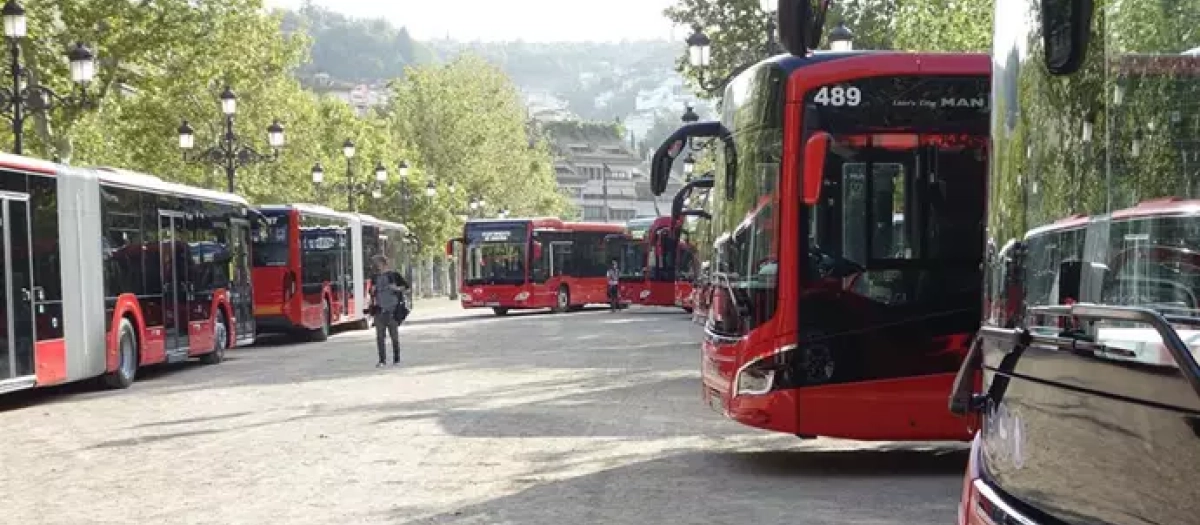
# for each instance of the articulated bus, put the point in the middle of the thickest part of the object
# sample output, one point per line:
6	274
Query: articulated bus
106	270
824	322
514	264
1089	398
654	262
311	266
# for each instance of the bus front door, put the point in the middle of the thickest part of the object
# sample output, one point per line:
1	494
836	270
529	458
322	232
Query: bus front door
17	368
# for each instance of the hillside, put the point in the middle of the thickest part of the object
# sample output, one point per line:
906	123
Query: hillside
353	49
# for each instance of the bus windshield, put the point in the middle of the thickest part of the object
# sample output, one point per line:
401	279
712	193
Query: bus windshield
496	253
271	241
905	210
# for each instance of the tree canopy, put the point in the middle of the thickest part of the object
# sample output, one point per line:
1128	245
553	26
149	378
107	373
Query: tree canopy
737	28
168	60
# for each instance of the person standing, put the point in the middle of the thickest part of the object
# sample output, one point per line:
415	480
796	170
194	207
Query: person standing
387	307
614	286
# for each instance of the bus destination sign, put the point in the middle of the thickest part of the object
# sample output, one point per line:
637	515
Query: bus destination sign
510	233
930	104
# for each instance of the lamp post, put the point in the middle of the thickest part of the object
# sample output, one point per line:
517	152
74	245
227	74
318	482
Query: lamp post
841	38
689	166
353	187
19	99
229	153
700	50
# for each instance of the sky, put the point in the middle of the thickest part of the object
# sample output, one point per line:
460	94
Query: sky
530	20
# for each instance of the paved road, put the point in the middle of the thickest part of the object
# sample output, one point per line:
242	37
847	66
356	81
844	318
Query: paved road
524	420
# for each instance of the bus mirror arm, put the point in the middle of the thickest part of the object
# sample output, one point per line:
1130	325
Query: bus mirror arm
815	151
673	146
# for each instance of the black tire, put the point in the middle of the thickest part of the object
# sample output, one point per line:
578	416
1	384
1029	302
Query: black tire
322	333
128	354
500	311
562	300
220	341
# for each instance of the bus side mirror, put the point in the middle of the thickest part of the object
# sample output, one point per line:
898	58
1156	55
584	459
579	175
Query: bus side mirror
815	151
450	246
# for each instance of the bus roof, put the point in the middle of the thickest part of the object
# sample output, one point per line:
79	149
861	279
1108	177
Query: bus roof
151	183
375	221
1164	207
312	209
8	160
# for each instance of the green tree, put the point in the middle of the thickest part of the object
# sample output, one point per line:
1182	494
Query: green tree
737	28
466	123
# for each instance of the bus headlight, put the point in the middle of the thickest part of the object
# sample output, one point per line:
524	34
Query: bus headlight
466	298
762	375
753	382
521	296
644	294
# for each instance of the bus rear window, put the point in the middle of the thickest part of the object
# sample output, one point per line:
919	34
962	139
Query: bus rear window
271	241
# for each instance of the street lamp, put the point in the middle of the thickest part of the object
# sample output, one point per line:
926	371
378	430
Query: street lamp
689	115
841	38
689	166
18	99
402	169
700	52
430	189
229	153
351	186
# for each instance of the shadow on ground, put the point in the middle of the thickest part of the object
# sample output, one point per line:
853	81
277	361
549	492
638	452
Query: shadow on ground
901	486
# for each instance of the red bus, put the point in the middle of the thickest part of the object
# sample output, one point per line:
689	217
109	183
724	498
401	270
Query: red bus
311	267
515	264
1085	377
824	322
654	262
156	272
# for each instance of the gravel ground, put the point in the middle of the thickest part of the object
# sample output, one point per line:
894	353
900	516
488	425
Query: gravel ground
528	419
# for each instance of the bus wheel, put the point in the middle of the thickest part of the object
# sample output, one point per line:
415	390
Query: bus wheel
323	332
687	309
220	341
500	311
563	301
127	355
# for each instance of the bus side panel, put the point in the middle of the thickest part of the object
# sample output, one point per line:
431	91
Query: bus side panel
79	228
901	409
202	335
51	358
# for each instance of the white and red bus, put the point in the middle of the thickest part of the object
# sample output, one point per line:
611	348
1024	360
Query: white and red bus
511	264
311	266
156	272
654	262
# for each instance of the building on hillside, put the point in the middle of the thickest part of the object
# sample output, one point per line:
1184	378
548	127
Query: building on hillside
601	175
361	97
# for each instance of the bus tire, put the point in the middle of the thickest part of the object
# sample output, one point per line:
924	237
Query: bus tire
127	358
220	341
322	333
687	309
562	300
500	310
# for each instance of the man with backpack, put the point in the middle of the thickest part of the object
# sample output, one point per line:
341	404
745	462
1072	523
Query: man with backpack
388	307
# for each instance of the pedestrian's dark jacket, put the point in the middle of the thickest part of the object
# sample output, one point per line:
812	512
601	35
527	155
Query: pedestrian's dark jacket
384	299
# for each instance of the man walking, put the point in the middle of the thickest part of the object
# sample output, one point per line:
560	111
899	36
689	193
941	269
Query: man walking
614	286
388	308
